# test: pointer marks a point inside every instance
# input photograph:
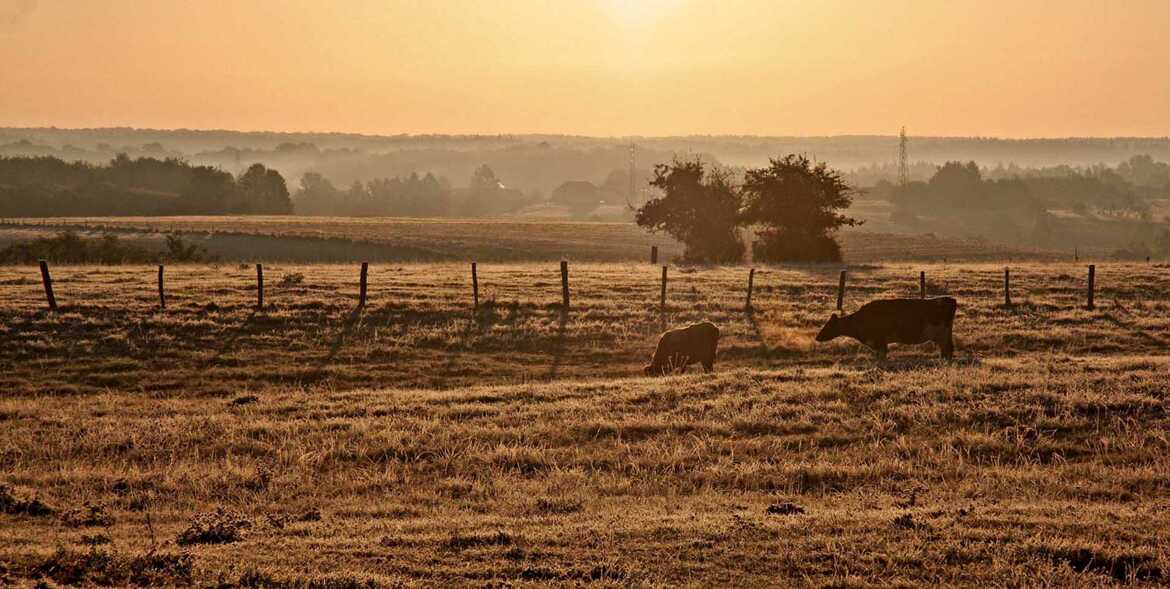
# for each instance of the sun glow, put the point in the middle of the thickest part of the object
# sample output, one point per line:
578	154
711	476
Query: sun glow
637	14
594	67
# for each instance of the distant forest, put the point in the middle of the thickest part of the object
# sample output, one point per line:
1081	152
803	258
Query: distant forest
409	196
1124	191
1051	207
538	164
48	186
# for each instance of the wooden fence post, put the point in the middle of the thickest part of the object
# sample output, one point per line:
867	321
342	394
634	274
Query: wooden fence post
48	282
162	293
475	289
653	254
662	297
751	278
564	285
1092	275
841	292
1007	287
922	284
259	286
364	282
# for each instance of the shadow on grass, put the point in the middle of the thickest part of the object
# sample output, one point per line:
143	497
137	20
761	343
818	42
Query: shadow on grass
898	365
228	345
559	344
757	333
347	328
1136	330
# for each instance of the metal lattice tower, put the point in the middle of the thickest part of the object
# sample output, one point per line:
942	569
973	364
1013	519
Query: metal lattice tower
633	153
903	162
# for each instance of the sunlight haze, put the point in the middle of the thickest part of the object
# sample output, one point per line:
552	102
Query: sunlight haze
607	67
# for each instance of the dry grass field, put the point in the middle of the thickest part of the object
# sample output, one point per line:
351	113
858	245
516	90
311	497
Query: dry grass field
414	442
329	239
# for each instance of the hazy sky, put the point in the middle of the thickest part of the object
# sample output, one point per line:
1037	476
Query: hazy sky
603	67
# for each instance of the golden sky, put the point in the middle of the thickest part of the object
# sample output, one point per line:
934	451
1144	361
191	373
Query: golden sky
603	67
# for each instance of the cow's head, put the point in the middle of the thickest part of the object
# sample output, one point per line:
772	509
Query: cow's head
831	329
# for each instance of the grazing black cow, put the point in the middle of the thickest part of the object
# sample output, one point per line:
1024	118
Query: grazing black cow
679	348
899	321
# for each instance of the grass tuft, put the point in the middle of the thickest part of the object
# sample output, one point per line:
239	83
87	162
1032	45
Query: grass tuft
214	527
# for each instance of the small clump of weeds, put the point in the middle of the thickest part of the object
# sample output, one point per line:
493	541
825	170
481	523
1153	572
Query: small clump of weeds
906	522
557	505
121	487
785	508
88	515
261	480
279	520
13	505
214	527
245	400
292	279
1124	567
98	567
95	540
462	542
255	579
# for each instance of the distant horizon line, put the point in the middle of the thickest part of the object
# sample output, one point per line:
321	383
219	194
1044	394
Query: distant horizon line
573	135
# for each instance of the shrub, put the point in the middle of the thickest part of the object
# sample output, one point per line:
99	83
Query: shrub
699	208
796	203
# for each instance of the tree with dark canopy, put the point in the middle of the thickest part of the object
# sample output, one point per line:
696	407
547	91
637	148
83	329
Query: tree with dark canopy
698	208
579	196
795	203
47	186
263	191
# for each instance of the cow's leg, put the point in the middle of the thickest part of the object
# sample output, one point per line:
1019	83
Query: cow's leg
709	366
947	346
881	348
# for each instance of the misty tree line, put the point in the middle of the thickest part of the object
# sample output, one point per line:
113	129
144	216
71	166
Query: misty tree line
48	186
1121	192
433	196
410	196
1054	207
70	247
